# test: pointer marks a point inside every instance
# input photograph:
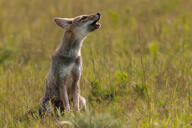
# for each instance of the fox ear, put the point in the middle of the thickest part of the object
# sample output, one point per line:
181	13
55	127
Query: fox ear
63	22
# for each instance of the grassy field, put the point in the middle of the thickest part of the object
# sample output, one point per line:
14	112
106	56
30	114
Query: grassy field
137	69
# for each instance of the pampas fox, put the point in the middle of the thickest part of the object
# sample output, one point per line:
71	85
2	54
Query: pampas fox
62	81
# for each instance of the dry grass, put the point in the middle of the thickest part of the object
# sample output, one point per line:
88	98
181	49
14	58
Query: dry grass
137	68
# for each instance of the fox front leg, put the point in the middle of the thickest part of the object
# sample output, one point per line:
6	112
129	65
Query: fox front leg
64	95
76	94
76	89
76	83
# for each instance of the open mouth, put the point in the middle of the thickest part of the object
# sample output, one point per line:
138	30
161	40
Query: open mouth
95	24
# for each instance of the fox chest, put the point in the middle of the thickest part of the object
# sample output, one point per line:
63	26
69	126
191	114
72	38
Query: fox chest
70	70
66	71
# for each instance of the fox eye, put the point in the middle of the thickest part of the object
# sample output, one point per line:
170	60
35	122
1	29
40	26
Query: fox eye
83	18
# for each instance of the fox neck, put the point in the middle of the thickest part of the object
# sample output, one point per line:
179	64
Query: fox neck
70	45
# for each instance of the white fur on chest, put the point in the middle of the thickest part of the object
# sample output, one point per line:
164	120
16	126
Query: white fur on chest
75	52
66	71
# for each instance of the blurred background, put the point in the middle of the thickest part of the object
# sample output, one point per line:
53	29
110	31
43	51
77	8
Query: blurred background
137	68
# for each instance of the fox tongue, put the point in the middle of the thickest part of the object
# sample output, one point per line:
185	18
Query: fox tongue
97	25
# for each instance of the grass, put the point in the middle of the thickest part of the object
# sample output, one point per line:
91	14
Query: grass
137	69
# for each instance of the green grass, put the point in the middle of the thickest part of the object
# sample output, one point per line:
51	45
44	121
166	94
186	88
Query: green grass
137	69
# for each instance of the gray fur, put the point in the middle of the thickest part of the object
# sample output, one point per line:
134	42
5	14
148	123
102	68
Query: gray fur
66	65
62	81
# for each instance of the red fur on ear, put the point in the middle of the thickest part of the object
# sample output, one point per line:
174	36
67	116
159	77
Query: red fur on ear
63	22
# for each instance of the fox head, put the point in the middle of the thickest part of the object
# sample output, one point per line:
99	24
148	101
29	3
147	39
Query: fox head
80	26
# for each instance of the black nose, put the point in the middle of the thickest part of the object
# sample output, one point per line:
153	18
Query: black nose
98	14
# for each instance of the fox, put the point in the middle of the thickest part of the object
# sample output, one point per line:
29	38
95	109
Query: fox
62	82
